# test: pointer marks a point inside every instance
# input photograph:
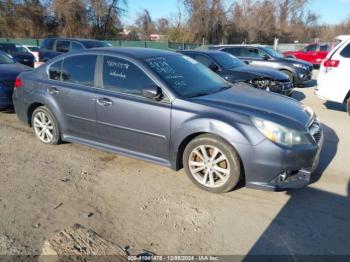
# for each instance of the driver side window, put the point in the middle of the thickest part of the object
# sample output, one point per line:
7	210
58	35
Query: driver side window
311	48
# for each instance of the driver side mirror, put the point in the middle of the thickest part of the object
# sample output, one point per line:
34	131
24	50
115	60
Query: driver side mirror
213	67
266	57
153	93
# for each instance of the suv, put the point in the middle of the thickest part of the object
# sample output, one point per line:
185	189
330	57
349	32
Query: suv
299	72
169	109
333	79
52	47
312	53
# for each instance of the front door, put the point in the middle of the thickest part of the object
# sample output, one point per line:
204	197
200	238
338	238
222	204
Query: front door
125	118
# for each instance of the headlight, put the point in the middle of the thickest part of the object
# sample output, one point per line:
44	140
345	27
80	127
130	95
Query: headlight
280	134
300	66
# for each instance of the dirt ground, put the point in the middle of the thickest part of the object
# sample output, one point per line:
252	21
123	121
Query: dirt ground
44	189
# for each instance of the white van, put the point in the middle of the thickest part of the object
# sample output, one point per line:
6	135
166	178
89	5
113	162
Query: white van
334	76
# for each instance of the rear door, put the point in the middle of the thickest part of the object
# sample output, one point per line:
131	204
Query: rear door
126	119
72	86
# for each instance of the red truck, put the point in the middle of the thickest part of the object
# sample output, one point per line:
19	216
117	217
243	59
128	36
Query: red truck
313	53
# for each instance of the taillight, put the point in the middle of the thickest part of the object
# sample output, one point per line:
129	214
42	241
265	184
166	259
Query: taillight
331	63
18	82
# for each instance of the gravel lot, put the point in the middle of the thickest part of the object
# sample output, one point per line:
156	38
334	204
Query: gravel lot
44	189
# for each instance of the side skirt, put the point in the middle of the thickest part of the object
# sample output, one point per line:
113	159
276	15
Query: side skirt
118	150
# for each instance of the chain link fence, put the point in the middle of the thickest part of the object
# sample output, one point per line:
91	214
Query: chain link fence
146	44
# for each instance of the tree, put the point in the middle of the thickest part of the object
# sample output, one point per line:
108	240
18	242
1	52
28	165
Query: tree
145	24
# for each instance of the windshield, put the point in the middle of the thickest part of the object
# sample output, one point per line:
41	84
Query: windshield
8	48
5	59
272	52
95	44
33	48
227	61
21	49
187	77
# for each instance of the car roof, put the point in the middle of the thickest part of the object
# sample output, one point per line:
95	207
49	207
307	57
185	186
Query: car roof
82	40
239	45
201	51
135	52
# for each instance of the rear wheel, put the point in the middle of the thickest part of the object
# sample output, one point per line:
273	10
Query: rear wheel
348	106
212	164
45	126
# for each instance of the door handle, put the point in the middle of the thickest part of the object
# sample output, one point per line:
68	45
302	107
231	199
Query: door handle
53	90
104	102
248	62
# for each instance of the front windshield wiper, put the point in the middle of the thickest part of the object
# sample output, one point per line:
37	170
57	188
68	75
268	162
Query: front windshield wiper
212	92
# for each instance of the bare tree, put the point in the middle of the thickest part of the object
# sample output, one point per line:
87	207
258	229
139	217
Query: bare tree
145	24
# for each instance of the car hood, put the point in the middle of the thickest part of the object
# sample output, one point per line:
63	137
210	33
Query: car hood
9	71
20	55
262	72
292	60
253	102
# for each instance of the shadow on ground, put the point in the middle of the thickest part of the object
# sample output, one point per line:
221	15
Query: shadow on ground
313	222
311	83
335	106
298	96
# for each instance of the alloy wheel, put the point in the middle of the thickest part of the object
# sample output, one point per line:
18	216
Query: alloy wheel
43	127
209	166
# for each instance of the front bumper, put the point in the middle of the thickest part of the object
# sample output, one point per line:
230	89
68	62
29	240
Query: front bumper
273	168
303	76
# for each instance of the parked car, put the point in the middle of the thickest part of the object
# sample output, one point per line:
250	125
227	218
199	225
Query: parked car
333	78
9	70
34	50
298	71
52	47
313	53
169	109
234	70
19	56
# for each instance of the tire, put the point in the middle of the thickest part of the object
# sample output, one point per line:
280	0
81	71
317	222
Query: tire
348	106
220	177
43	119
290	75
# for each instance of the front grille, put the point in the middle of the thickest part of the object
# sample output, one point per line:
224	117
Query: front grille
315	130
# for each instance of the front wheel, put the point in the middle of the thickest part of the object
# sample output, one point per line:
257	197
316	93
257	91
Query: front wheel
290	75
212	164
45	126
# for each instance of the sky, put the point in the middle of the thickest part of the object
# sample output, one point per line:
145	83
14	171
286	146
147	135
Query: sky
330	11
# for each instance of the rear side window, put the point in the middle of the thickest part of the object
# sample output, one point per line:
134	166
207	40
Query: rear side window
311	48
76	46
324	48
55	71
233	51
47	44
79	69
204	60
346	52
122	76
62	46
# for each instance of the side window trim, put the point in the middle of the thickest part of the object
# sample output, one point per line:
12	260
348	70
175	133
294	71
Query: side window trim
100	66
210	59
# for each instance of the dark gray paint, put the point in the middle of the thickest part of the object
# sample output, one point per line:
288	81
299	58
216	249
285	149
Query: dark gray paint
154	131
